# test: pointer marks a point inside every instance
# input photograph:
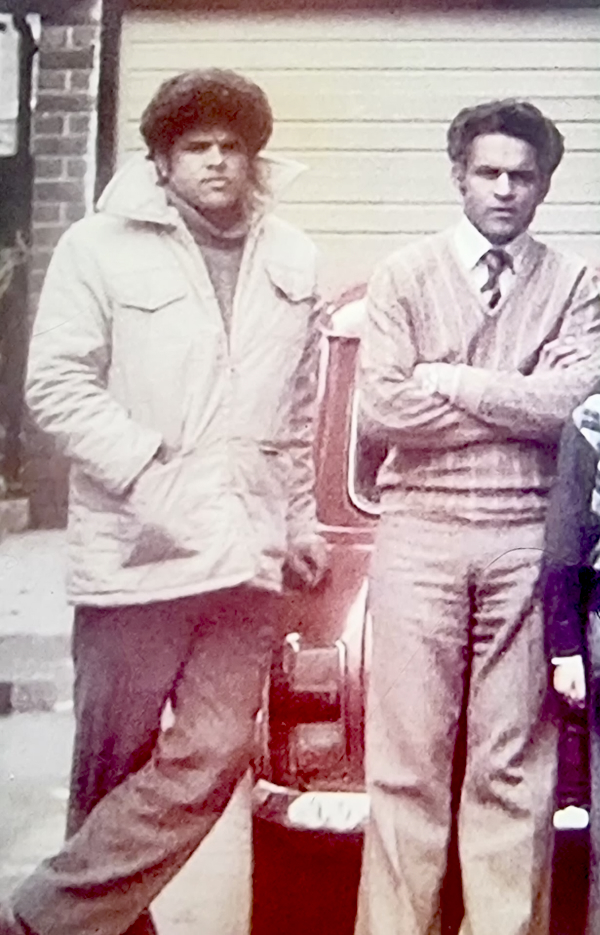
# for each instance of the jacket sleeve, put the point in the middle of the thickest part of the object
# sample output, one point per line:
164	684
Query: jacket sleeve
69	361
572	531
537	405
302	507
392	406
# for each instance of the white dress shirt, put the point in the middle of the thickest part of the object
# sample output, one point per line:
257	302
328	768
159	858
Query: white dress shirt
471	246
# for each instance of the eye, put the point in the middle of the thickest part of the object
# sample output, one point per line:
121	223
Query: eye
232	146
486	172
523	178
200	147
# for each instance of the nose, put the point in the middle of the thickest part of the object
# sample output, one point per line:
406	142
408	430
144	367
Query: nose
216	154
503	187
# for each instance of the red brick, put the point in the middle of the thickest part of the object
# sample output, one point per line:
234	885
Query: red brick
83	36
55	37
80	80
49	167
79	123
80	14
52	80
70	103
76	168
46	213
66	58
75	211
57	191
60	146
50	125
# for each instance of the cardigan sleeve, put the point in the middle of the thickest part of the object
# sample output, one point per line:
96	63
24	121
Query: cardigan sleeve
536	405
393	406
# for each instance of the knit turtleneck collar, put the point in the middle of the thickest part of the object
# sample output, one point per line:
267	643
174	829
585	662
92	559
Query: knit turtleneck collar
202	229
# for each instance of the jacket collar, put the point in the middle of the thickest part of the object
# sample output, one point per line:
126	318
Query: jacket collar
134	192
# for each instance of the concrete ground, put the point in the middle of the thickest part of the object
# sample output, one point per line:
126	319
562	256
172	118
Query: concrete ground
213	893
35	622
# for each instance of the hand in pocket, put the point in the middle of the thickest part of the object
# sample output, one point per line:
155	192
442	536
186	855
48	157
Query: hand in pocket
164	515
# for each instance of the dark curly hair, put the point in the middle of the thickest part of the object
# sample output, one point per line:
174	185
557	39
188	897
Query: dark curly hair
520	119
207	98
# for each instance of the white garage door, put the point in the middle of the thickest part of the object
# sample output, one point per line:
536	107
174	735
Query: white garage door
364	102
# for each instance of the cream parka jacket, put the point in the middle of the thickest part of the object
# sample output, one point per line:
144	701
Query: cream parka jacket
129	351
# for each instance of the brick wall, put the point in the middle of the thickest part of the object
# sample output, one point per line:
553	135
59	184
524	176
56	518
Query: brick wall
63	143
63	131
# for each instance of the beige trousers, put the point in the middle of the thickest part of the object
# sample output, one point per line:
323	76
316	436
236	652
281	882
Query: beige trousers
455	622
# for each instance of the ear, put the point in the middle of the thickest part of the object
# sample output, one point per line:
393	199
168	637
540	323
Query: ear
544	188
163	169
458	176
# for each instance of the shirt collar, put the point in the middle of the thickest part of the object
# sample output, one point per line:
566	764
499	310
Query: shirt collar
471	245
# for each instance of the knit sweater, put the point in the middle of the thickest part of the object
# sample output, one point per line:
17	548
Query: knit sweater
519	374
221	251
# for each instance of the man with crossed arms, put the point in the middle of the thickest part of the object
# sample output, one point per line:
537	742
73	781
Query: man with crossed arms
479	343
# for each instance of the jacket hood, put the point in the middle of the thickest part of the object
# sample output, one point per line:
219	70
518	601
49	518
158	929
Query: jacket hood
134	192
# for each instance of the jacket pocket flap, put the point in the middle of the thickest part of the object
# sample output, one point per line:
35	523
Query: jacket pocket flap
297	285
148	290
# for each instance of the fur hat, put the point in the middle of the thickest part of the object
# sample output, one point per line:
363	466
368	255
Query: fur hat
207	98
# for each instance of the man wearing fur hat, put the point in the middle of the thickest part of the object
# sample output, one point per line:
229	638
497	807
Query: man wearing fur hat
174	360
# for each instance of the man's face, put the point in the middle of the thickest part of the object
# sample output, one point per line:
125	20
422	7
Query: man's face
501	186
210	169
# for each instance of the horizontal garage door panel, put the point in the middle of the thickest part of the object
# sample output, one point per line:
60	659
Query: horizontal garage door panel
380	95
364	102
396	55
377	136
555	26
392	137
422	219
419	177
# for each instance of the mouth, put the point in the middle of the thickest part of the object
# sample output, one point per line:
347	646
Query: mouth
217	182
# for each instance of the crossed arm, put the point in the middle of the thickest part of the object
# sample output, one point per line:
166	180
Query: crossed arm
442	405
395	405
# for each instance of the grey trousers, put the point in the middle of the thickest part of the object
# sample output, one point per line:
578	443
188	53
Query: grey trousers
143	799
454	622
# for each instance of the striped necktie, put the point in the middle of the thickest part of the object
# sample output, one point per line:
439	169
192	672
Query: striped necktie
496	261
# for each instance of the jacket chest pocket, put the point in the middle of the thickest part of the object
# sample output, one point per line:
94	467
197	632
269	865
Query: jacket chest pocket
161	345
157	319
149	301
292	294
